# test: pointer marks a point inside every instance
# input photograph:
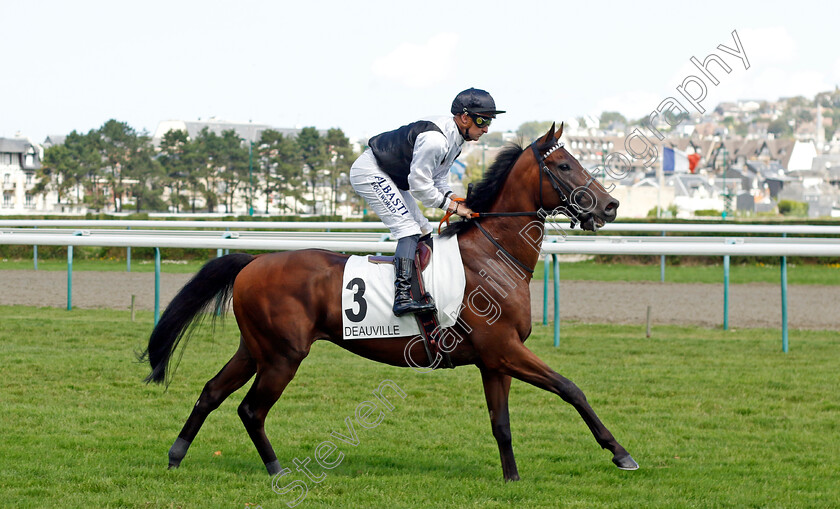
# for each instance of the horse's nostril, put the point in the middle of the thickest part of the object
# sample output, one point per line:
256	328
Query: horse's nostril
611	206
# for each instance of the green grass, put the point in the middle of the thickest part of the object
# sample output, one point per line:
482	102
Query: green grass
168	266
798	274
716	419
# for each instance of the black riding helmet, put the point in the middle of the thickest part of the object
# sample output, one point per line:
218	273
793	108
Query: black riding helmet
475	101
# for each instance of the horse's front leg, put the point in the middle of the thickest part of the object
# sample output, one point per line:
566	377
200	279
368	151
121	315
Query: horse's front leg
496	391
519	362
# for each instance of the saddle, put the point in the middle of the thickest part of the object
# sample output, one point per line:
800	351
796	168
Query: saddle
427	321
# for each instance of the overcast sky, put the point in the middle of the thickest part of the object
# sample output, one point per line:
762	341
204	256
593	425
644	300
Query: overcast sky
371	66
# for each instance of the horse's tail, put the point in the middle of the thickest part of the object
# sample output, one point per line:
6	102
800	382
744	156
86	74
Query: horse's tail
212	285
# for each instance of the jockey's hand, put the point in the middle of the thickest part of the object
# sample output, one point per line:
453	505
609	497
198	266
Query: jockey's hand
464	211
458	208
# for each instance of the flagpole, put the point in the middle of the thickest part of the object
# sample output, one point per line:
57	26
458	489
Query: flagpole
661	178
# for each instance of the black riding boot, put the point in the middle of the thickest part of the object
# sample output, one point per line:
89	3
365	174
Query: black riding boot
403	303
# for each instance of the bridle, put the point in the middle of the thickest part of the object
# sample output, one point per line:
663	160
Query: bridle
569	201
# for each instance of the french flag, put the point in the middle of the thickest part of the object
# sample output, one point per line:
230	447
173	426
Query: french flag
674	161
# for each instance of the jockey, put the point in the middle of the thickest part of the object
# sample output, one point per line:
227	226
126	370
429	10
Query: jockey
412	163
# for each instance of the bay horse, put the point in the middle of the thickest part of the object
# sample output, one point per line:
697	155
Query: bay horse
283	302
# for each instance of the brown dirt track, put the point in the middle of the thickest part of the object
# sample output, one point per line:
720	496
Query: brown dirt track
751	305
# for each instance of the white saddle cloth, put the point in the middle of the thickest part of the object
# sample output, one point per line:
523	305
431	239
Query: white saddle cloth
367	295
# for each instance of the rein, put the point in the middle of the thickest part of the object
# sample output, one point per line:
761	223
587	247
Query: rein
503	250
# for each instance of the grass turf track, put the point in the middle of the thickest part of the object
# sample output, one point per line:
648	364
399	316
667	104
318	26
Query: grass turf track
716	419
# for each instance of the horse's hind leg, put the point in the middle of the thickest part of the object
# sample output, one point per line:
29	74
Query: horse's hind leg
268	386
239	369
524	365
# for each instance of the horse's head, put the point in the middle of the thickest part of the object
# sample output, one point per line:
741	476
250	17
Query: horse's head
577	194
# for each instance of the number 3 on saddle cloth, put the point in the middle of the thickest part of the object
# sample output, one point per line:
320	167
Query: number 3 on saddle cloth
367	296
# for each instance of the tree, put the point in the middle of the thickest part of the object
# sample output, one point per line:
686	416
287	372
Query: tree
804	115
289	170
203	176
493	139
341	157
118	142
793	208
175	165
147	181
73	165
780	127
131	169
264	154
474	170
608	117
834	114
195	165
59	172
230	163
530	131
800	101
314	156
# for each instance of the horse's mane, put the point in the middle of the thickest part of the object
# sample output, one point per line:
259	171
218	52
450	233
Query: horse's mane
484	193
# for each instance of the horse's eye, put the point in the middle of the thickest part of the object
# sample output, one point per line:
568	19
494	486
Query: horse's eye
564	167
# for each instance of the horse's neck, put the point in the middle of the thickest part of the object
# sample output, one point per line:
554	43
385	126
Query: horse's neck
520	236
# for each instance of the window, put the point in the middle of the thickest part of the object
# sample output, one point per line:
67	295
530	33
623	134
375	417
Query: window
6	159
7	200
28	202
28	179
7	178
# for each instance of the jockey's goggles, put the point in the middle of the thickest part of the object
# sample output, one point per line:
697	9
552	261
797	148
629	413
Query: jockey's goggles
480	121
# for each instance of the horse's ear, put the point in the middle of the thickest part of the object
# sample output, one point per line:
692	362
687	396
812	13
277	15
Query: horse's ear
559	131
549	134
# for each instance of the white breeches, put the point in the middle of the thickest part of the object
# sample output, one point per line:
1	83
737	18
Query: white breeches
396	208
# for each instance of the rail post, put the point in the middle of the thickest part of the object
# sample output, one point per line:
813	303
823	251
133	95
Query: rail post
662	266
70	272
784	303
725	292
726	287
556	264
546	277
69	277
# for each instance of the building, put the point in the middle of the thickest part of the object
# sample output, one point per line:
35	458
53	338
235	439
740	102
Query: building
19	160
248	131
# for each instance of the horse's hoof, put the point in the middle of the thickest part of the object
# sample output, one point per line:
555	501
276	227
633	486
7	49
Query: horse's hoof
625	462
274	468
177	452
